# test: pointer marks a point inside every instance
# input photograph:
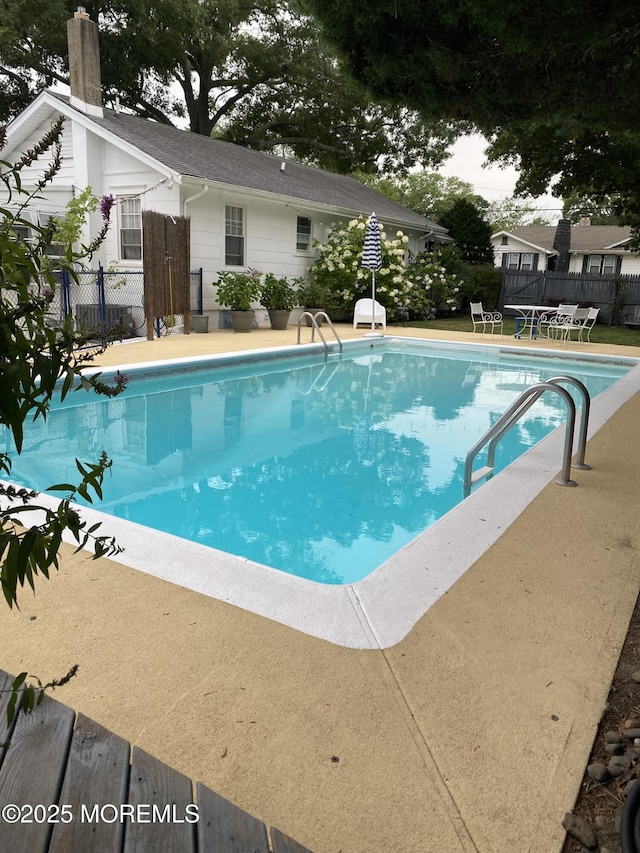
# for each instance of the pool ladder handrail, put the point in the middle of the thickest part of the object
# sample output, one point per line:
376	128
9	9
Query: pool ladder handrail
315	327
521	405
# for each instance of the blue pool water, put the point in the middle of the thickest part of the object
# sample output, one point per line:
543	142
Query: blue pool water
318	468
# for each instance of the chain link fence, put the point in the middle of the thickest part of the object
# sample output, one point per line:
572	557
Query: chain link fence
108	304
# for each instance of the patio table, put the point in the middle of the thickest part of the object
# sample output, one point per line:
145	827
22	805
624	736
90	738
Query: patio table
529	317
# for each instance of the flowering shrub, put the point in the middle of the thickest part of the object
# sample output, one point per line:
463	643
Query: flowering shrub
434	287
237	290
338	269
404	286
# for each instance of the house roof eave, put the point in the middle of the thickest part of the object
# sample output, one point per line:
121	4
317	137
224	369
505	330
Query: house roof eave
544	249
34	115
297	203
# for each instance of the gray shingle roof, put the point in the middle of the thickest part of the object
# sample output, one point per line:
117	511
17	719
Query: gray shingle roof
584	238
201	157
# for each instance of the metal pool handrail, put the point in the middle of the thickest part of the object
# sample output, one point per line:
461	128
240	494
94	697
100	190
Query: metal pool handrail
523	403
315	327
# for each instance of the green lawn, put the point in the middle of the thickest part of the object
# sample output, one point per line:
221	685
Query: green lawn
617	335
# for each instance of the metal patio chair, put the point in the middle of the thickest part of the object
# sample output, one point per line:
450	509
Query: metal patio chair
487	319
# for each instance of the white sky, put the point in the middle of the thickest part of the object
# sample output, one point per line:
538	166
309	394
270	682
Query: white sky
492	182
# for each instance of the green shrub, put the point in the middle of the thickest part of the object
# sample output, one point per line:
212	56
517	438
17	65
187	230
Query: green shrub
237	290
278	294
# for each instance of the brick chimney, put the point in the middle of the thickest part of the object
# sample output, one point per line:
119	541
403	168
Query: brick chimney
84	64
562	244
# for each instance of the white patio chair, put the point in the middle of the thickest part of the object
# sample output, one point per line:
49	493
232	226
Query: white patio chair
549	323
369	311
490	319
588	324
566	323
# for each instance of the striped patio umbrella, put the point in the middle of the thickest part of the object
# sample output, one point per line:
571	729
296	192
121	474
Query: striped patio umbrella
372	258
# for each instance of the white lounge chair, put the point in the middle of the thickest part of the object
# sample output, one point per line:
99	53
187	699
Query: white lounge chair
369	311
486	319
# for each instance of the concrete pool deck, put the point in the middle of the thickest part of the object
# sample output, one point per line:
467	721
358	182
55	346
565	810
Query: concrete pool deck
470	734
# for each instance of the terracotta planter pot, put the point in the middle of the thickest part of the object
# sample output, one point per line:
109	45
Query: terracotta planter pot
242	321
279	318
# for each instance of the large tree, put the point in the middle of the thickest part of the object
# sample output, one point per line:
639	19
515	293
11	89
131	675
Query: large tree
509	213
470	230
427	193
554	86
256	74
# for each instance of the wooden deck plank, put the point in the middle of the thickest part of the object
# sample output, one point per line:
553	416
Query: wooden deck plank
97	775
281	843
6	681
154	783
225	828
32	772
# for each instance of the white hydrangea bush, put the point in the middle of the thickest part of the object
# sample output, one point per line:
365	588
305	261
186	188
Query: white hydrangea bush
403	290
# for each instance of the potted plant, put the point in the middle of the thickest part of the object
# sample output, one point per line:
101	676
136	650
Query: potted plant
313	297
237	291
279	298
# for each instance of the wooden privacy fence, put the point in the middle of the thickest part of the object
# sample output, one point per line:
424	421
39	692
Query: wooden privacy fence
68	785
617	296
165	257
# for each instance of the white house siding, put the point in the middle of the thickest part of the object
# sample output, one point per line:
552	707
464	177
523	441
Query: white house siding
631	264
630	260
516	246
124	175
60	190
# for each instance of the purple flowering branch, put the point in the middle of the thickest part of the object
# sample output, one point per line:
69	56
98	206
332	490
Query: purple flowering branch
106	203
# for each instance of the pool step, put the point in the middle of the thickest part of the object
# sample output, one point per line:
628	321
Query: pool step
485	471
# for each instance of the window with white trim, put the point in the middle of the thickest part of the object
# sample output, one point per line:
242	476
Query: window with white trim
130	229
601	264
233	236
303	234
520	261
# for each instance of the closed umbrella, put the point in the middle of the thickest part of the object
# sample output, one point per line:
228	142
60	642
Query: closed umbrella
372	260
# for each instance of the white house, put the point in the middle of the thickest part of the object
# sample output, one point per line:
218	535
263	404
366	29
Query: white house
583	248
246	208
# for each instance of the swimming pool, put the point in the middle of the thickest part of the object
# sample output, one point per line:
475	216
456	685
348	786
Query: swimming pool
378	610
323	468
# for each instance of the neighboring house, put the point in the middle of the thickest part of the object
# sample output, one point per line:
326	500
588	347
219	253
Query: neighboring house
246	208
583	248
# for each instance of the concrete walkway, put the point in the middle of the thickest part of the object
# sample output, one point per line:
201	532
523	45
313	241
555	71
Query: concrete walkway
471	734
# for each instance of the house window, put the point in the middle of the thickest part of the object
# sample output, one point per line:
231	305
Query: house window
53	250
130	229
521	261
303	234
505	240
22	230
601	264
233	236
